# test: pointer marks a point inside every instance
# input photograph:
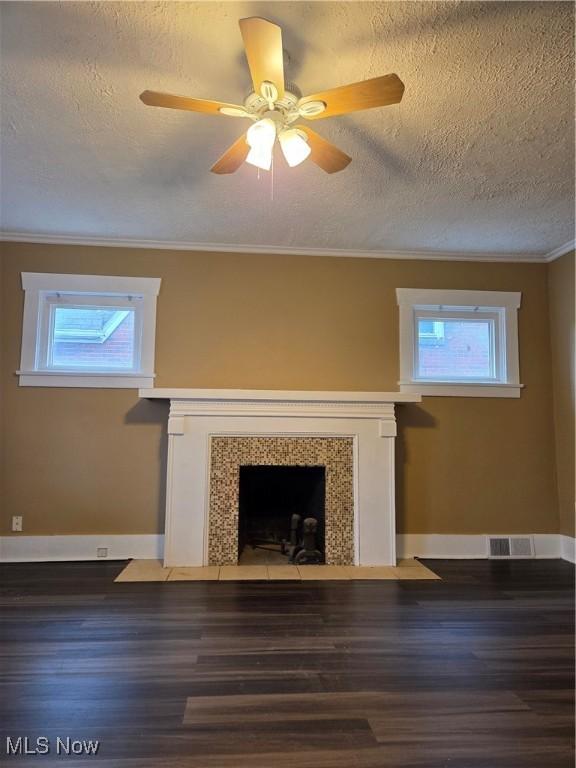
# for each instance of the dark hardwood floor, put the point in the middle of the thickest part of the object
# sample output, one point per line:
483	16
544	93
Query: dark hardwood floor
475	671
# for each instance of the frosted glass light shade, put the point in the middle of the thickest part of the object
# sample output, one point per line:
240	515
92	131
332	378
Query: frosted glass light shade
261	158
294	147
260	138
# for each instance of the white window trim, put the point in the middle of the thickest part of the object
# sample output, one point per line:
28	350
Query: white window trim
35	284
410	300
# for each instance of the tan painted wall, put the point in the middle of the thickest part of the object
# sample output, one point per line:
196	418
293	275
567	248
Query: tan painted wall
87	461
561	299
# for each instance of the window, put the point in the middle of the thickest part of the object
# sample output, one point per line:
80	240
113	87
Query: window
459	342
431	332
88	330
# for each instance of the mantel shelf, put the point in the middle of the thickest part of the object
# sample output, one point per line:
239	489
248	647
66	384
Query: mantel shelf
278	396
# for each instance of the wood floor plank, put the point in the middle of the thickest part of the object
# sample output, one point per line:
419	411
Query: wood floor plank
370	705
475	670
383	756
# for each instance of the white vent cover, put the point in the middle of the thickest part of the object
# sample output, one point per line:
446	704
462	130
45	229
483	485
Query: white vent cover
510	546
522	546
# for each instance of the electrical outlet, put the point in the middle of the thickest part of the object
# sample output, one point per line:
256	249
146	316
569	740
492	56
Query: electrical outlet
102	552
17	523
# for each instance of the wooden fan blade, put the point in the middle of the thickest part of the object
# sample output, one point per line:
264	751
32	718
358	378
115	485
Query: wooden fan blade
377	92
263	43
155	99
233	158
324	154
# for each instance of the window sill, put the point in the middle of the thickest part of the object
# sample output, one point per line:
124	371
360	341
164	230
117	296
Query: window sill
439	389
85	379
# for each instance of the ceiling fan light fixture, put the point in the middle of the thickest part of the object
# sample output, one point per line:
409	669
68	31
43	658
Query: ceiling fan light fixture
261	134
294	146
260	137
260	158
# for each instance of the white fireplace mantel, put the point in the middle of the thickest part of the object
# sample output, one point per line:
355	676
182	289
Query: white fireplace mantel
196	415
269	402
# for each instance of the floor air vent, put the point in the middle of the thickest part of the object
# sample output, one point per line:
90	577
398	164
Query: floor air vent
510	546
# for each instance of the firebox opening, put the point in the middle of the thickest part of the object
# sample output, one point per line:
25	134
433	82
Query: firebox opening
269	498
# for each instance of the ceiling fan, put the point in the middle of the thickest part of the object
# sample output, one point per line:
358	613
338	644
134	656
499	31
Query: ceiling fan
274	109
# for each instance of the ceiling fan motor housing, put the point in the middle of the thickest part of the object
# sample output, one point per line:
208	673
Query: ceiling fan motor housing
284	110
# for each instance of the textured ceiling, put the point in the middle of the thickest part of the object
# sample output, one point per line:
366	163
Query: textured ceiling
479	156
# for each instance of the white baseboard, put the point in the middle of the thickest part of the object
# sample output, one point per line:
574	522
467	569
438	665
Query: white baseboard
461	547
440	546
568	548
14	549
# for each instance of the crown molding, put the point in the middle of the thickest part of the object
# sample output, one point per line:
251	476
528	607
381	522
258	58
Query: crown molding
560	251
272	250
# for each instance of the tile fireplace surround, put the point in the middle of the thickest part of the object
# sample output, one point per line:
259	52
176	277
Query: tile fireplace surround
211	433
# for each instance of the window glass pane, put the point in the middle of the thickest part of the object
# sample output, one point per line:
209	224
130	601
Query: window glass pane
455	349
92	337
